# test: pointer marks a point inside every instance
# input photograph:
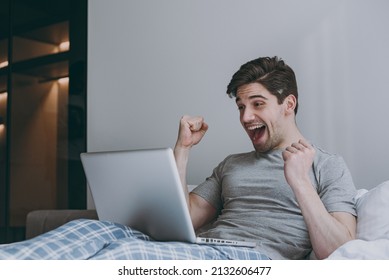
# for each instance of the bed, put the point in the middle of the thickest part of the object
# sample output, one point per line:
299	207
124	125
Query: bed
84	237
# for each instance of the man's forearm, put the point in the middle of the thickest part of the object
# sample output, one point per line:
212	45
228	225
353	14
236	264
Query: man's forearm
326	232
182	156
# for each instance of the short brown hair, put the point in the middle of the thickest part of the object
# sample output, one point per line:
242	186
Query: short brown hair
271	72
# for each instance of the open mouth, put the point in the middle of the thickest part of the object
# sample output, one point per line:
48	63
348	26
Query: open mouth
256	131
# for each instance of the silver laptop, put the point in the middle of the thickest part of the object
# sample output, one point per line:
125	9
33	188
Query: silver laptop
142	189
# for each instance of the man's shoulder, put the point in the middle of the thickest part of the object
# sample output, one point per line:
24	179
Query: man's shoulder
324	157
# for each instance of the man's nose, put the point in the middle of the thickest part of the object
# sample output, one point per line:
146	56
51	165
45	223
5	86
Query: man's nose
248	115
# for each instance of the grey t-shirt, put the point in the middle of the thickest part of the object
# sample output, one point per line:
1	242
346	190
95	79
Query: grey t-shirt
256	203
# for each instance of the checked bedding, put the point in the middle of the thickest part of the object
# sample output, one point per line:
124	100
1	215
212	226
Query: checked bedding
92	239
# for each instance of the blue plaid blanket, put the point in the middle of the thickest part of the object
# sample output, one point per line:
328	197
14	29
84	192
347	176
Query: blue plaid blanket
91	239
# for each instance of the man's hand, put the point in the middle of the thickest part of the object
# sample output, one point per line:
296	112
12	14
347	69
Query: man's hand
191	131
298	159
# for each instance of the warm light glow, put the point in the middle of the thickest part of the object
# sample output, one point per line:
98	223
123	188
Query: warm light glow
63	80
3	95
64	46
3	64
2	130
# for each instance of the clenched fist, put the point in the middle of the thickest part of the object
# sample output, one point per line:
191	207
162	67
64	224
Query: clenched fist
191	131
298	160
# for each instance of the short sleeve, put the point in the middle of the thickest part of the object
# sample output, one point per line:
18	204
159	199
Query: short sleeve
210	189
335	185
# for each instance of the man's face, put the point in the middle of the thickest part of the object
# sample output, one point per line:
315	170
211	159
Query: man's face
261	116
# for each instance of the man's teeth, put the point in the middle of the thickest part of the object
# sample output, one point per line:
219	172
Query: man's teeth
255	126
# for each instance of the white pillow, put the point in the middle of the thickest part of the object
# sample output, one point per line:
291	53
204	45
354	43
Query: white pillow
373	213
191	187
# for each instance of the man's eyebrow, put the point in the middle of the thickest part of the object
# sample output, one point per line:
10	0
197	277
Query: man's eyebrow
252	97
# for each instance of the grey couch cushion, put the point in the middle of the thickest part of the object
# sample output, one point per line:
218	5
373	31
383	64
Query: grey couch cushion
41	221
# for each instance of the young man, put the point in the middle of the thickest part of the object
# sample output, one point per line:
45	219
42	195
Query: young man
288	195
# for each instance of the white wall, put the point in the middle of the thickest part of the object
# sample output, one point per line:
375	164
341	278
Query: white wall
151	61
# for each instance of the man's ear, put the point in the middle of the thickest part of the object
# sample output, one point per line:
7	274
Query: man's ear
290	103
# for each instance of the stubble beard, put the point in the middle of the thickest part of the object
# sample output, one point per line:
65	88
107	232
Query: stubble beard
272	143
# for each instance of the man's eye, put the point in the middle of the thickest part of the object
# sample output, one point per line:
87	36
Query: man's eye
240	108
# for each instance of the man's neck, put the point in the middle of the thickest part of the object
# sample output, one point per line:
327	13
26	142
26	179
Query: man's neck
292	135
